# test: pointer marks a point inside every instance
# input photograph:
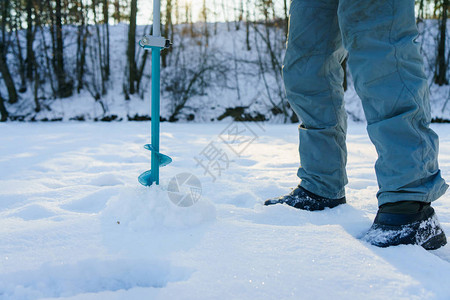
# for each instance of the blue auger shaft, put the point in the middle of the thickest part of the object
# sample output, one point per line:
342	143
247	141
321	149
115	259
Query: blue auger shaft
156	43
156	54
155	115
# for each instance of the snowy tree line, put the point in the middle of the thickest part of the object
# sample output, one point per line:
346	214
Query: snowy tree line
51	50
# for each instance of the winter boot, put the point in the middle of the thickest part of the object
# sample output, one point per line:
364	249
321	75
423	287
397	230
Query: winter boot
303	199
406	222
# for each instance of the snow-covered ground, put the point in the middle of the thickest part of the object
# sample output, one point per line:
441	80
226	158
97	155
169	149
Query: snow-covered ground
76	224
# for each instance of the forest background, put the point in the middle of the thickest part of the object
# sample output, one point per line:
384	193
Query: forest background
79	60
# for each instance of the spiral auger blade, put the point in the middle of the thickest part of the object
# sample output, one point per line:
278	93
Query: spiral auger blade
148	178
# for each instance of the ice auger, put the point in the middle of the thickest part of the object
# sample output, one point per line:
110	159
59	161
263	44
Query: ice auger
155	43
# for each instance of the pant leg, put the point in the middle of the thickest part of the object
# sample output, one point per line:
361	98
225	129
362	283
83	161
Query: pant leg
313	78
387	68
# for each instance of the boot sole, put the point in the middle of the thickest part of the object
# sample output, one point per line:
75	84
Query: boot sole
435	242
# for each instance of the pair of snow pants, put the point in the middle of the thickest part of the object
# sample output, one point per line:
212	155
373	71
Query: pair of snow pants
387	69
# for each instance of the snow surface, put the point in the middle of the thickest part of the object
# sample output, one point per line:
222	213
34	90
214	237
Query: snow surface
76	224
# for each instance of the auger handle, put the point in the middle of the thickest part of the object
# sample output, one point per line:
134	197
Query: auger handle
156	18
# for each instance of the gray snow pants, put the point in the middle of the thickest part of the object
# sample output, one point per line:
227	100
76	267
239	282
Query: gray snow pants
388	74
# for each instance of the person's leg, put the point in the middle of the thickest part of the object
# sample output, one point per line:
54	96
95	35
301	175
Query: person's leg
388	73
313	78
387	69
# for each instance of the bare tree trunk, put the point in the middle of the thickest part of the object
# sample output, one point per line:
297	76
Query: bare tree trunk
82	58
236	74
59	53
100	52
420	12
3	111
19	54
36	90
132	47
189	15
177	12
267	8
117	14
286	19
141	70
225	14
4	70
64	89
47	60
214	9
167	26
30	39
52	32
247	27
106	24
205	20
435	8
240	15
81	46
23	85
64	10
442	63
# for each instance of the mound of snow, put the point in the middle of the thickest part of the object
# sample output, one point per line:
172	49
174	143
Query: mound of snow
143	209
